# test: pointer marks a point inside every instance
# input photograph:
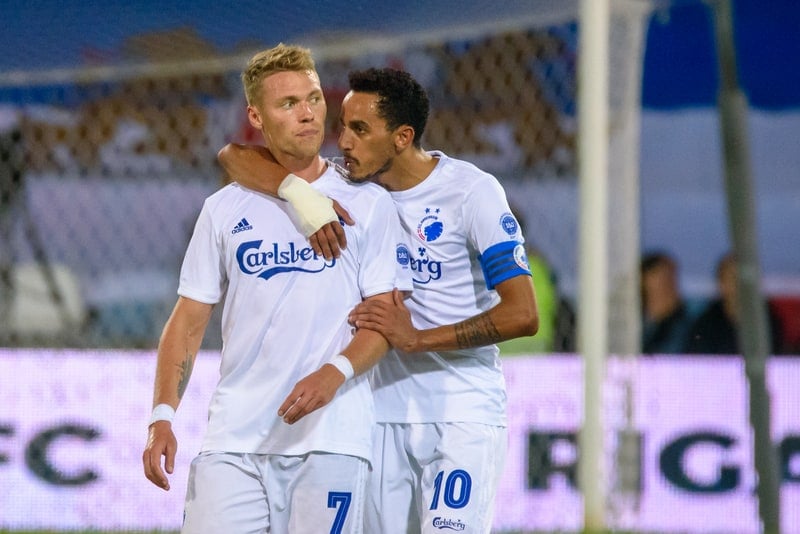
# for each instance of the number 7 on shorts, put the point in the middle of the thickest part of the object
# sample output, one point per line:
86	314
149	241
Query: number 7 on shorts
341	501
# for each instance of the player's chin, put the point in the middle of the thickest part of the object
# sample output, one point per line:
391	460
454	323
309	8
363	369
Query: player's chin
355	174
310	145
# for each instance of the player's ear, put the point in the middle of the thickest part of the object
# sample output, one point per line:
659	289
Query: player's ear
403	137
254	117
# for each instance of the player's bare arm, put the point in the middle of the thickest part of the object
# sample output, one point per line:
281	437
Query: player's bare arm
515	316
177	349
254	167
317	389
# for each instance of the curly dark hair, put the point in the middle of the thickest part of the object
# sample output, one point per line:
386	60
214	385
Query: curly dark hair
401	99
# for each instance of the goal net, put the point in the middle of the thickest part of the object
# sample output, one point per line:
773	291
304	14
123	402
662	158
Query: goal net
108	164
103	169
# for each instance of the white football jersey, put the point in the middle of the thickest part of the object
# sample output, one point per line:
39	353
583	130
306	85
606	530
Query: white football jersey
463	240
285	313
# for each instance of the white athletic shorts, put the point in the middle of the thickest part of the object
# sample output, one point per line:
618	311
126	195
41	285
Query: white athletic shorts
434	477
232	493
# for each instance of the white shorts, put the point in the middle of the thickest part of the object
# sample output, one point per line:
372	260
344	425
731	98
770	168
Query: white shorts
258	493
434	477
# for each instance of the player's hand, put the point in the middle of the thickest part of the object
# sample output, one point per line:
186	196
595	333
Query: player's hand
311	393
391	320
160	442
330	240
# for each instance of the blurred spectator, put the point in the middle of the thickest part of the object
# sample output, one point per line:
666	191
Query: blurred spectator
787	309
665	316
516	120
716	330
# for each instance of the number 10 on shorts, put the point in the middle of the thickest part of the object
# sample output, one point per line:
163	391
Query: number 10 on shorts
456	490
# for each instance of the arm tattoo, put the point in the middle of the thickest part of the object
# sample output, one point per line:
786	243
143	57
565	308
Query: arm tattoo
476	332
186	372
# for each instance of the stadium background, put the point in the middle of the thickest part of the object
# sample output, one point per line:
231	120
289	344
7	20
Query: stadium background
111	115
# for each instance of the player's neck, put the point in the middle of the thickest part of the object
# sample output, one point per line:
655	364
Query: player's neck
308	169
408	170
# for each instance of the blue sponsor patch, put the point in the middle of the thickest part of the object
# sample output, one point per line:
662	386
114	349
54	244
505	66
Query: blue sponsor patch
509	224
403	255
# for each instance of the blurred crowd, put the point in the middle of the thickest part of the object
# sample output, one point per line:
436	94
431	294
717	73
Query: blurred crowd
671	323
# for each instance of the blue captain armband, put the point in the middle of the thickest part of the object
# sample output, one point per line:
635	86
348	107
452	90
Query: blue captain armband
503	261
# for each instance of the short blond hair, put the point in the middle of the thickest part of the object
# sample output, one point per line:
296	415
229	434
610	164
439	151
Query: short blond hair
280	58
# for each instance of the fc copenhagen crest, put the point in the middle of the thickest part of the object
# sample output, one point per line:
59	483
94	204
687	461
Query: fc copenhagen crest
430	227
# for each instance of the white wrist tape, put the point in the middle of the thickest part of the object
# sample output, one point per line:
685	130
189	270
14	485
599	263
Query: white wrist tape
162	412
342	363
313	209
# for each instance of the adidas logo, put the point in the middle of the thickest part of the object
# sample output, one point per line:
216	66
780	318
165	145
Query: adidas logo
241	227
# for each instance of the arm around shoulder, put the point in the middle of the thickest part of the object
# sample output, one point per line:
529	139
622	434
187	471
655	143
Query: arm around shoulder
255	168
252	166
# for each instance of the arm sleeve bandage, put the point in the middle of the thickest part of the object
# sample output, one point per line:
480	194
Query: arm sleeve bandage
313	209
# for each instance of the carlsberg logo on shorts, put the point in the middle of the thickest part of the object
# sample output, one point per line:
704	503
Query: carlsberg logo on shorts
449	524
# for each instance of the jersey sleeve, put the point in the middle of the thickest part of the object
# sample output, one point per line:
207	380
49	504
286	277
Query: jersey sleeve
384	255
495	233
203	275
